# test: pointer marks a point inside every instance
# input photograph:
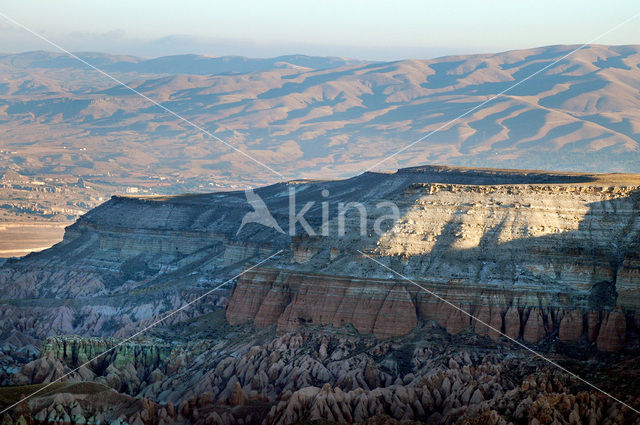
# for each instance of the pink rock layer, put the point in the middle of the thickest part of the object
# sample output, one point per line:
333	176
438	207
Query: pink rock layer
264	297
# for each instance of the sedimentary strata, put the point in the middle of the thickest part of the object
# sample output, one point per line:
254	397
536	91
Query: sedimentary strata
321	330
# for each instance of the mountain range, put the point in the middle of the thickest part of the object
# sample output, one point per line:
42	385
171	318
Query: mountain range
311	116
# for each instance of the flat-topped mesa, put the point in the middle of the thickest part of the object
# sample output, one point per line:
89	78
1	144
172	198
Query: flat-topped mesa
532	260
532	253
523	189
493	176
496	176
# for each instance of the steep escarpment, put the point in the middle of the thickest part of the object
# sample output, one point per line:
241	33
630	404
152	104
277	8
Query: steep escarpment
129	239
388	308
533	261
513	240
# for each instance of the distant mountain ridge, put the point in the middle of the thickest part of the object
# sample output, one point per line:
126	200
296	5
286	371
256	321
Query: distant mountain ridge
175	64
309	116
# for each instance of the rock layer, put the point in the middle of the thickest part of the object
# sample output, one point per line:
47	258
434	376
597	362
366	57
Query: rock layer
384	308
267	297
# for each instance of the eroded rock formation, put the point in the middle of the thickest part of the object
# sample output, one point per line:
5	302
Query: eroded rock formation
322	331
265	297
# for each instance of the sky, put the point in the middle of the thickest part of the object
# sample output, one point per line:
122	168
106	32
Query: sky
362	29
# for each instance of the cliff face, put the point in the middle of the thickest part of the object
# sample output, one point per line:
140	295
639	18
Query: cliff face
388	308
535	254
531	260
576	237
267	297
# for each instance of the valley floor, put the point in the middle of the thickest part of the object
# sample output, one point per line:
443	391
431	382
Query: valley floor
18	238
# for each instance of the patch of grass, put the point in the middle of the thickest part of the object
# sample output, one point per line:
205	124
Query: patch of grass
10	395
13	394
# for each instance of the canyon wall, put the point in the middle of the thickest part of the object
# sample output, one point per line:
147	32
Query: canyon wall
537	261
387	308
536	254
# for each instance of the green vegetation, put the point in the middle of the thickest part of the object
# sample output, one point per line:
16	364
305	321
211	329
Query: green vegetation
11	395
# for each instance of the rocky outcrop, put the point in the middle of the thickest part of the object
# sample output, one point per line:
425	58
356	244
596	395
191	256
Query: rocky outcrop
534	328
466	395
489	320
612	333
531	259
310	374
237	397
266	297
593	325
528	245
512	323
571	326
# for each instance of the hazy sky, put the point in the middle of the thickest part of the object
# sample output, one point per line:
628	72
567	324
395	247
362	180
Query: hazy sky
367	29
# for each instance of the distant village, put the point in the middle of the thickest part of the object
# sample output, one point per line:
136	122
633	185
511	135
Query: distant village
65	198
